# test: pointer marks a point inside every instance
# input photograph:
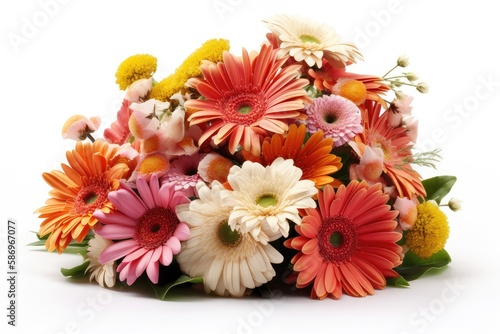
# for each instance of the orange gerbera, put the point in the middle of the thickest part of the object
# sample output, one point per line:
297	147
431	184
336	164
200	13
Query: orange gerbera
79	190
313	157
396	147
246	99
348	244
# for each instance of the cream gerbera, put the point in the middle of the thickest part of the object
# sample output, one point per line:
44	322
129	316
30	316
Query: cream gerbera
309	41
230	261
104	274
264	199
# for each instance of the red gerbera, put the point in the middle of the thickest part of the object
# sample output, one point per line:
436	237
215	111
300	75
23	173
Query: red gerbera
348	244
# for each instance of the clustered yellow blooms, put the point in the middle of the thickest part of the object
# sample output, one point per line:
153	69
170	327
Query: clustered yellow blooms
211	50
430	232
140	66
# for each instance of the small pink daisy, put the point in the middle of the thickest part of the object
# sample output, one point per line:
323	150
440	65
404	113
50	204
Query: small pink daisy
337	117
183	173
145	227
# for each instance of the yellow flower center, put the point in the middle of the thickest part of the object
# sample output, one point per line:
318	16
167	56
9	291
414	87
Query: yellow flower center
430	232
266	200
306	38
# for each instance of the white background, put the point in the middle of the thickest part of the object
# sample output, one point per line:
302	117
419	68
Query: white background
66	65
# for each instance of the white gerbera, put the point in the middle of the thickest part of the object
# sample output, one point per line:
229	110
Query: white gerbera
264	199
104	274
309	41
228	260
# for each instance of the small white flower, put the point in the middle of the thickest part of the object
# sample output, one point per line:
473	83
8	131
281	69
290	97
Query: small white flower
104	274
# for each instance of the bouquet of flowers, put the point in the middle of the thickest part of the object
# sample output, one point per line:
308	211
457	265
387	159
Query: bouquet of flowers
240	173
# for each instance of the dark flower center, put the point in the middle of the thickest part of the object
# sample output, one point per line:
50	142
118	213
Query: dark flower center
155	227
337	239
91	196
227	236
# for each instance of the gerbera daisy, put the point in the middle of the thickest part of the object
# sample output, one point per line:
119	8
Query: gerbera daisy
183	173
309	41
313	157
348	244
145	227
104	274
396	146
264	199
79	190
229	260
247	98
338	117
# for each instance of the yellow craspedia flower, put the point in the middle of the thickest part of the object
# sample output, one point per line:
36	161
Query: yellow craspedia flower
430	232
211	50
140	66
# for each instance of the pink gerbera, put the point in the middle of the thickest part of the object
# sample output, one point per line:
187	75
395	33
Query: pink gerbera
146	226
245	99
183	173
347	245
338	118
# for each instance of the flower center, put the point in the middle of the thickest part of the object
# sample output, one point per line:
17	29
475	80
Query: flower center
227	236
329	117
155	227
91	196
266	200
305	38
337	239
244	108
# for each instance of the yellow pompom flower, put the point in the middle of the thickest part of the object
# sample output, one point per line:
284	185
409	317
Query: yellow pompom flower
430	232
211	50
140	66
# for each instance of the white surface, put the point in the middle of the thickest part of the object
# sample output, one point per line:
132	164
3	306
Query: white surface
67	66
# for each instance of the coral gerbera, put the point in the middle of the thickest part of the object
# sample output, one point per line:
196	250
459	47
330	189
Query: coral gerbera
264	199
347	245
338	117
396	146
229	260
247	98
145	227
306	40
79	190
313	157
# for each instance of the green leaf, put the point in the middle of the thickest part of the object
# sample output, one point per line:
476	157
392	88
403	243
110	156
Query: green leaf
438	187
398	282
77	271
414	266
161	292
